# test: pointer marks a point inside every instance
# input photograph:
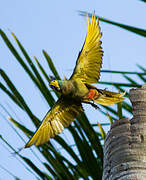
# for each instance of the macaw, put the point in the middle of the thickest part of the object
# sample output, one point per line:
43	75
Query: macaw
78	89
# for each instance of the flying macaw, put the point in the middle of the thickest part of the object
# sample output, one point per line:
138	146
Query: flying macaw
78	89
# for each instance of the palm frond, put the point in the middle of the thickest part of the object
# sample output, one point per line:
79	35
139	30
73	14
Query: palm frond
138	31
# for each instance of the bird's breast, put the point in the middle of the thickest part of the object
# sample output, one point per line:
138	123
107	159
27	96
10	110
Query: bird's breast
75	89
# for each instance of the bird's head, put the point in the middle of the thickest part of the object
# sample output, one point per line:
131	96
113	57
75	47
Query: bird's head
55	85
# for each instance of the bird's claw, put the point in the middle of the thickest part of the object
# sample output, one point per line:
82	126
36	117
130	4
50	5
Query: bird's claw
94	105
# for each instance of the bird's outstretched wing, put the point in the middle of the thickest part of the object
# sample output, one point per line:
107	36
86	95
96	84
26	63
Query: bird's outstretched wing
90	57
60	116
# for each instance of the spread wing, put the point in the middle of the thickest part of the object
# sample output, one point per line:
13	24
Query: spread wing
90	57
60	116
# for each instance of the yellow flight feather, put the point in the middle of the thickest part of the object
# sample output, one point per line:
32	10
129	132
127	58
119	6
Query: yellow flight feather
90	58
108	98
59	117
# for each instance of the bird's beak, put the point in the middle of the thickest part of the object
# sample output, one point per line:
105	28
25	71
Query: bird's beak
55	85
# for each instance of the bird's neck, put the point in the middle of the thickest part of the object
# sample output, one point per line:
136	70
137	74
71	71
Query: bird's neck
62	83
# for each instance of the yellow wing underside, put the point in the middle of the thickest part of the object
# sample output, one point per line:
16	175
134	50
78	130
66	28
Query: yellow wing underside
59	117
90	58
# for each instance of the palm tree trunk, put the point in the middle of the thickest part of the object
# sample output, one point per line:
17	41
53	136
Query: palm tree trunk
125	144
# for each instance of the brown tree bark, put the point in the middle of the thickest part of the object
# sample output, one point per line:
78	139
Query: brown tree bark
125	144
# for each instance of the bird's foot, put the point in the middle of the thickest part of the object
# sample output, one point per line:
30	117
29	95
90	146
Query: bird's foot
94	105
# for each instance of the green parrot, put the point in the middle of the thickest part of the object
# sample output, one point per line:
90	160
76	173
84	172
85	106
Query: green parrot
78	89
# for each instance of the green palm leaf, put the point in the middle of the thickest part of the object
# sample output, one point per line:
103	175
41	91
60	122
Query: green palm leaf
139	31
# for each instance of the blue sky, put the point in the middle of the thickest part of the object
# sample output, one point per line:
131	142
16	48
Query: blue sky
56	27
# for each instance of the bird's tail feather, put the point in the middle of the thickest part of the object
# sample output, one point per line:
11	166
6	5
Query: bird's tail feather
108	98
